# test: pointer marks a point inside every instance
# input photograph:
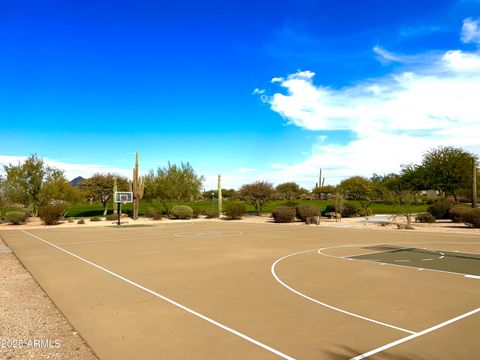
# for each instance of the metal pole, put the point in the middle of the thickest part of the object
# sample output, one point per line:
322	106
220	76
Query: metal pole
118	213
213	196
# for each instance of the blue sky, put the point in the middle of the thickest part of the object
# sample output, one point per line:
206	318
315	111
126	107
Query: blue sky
86	84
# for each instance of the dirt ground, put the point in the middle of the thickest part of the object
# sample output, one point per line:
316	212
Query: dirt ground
28	313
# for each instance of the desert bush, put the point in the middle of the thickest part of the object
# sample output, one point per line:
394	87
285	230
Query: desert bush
425	218
182	212
16	217
95	218
456	213
212	214
81	222
70	220
197	211
284	214
290	203
349	210
441	208
366	212
154	213
235	210
51	214
472	217
303	212
111	217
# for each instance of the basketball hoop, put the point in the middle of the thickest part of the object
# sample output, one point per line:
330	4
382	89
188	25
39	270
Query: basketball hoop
122	197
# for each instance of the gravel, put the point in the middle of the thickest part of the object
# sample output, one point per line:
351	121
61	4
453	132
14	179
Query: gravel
31	327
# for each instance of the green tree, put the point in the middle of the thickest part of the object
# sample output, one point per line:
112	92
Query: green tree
24	181
56	188
257	194
289	191
447	169
100	187
356	187
172	184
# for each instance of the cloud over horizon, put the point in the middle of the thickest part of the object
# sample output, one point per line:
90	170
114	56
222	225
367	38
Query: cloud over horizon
395	118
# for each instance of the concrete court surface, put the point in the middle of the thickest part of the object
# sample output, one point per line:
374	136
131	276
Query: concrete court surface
253	291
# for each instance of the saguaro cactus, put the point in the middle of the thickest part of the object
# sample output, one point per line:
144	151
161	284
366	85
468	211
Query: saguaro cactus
115	189
137	188
219	195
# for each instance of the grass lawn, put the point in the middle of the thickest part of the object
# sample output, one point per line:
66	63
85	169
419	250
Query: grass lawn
87	210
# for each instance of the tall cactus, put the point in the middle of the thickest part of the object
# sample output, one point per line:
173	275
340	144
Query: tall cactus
219	195
115	189
137	188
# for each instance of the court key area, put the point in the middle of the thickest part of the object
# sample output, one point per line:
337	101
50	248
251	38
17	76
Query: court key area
235	290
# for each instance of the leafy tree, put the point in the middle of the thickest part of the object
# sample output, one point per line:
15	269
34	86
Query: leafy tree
24	182
56	188
173	183
257	194
359	188
3	198
356	187
447	169
226	193
290	191
100	187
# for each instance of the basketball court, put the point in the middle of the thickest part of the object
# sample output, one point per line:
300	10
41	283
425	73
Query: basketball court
234	290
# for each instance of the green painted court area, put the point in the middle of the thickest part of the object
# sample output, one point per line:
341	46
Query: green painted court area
424	258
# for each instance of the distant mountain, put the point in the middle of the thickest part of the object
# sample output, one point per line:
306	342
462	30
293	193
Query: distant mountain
77	181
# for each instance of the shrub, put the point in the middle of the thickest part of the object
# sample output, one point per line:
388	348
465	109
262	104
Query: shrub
211	214
154	213
441	208
16	217
290	203
51	214
81	222
349	210
425	218
235	210
303	212
457	212
284	214
182	212
111	217
95	218
472	217
366	212
197	212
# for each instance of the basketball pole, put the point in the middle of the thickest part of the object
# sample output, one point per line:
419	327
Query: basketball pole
474	183
118	213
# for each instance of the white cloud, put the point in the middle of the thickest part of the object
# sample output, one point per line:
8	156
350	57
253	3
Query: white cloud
72	170
387	55
471	31
394	119
258	91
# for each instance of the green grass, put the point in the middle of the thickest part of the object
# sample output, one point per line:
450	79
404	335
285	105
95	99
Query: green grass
87	210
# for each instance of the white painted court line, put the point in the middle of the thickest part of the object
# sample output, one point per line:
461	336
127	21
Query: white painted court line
325	304
473	277
183	307
413	336
226	233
